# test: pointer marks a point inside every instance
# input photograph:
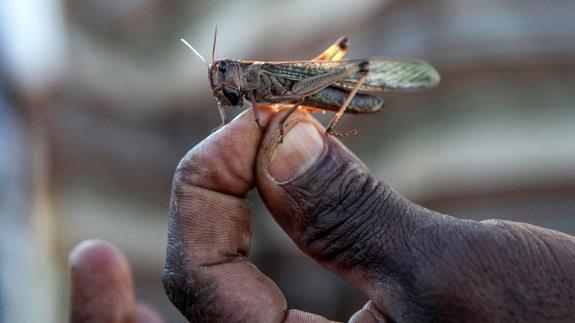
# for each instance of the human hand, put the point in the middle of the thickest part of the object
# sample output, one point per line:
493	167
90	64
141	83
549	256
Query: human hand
414	264
101	286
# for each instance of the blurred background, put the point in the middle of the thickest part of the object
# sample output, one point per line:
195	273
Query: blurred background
99	100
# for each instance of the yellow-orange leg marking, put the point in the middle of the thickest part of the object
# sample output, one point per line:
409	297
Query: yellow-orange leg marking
335	52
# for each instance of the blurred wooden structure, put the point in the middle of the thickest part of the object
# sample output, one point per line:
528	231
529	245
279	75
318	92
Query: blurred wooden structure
494	140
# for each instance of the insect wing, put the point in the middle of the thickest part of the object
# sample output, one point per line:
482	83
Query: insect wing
384	73
391	74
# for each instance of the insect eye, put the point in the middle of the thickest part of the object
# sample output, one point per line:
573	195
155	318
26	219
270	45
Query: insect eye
223	67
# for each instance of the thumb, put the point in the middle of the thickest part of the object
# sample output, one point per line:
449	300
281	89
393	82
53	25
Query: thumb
333	207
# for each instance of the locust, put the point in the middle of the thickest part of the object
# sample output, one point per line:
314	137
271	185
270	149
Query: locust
326	83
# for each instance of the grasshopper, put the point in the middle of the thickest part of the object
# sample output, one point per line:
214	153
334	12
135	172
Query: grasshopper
324	83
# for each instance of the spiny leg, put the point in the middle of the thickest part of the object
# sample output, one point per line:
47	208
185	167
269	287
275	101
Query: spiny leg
223	115
345	133
255	110
344	106
334	52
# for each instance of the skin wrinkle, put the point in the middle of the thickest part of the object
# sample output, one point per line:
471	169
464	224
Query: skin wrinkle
550	276
359	230
366	192
420	291
350	209
204	307
518	237
329	209
353	214
178	281
492	275
393	291
348	183
523	240
188	294
376	235
549	249
325	233
319	202
334	205
349	244
394	224
188	176
183	294
322	213
352	174
199	298
472	245
360	250
402	226
484	243
215	284
187	217
415	264
356	229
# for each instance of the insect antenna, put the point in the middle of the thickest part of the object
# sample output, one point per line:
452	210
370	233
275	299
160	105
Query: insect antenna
214	45
195	52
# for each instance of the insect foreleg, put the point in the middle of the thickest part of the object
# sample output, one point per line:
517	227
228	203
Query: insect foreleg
223	114
252	99
283	120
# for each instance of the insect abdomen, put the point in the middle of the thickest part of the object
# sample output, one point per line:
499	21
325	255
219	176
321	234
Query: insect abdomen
332	98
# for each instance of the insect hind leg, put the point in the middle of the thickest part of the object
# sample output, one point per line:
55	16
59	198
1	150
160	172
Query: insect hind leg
364	70
335	52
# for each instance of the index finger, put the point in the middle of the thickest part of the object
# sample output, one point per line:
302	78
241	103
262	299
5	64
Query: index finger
206	275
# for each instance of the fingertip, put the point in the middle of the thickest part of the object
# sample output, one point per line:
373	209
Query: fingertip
224	161
101	284
98	254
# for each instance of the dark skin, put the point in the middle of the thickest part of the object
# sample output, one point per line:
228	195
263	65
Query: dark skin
416	265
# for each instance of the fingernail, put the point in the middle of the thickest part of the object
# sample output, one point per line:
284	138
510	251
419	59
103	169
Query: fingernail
302	146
